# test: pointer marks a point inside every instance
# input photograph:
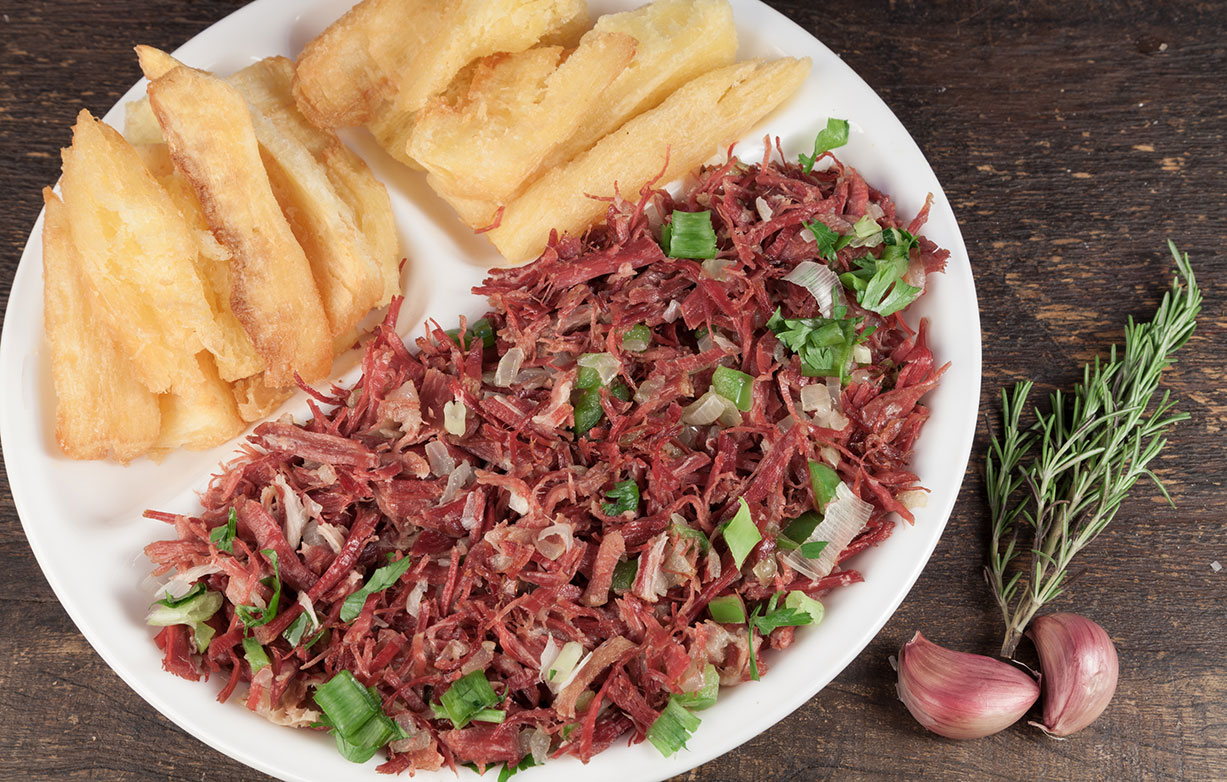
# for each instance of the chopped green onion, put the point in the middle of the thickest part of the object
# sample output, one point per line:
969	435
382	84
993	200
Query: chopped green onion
202	634
684	531
294	632
727	610
798	531
257	658
625	496
509	771
705	696
800	601
380	580
824	481
588	410
624	575
596	369
824	344
480	329
355	715
865	227
223	536
563	665
468	696
741	534
825	239
637	338
254	617
620	391
691	235
834	135
672	728
193	608
738	387
490	715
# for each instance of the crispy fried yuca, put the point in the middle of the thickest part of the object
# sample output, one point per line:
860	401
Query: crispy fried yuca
209	132
677	41
236	356
691	125
101	409
199	417
346	274
267	86
516	111
138	255
256	399
385	58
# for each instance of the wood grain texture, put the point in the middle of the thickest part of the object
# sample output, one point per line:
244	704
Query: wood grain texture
1072	138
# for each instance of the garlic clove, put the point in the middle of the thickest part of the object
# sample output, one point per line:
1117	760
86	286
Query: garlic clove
960	695
1080	671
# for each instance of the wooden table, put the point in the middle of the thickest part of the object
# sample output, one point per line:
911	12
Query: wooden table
1072	138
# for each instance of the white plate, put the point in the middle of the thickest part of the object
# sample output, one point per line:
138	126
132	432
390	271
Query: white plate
84	520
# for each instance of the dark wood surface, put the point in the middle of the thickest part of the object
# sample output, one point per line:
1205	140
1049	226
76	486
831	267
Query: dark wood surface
1072	138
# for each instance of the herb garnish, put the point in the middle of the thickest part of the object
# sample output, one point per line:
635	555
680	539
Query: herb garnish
824	344
835	134
222	536
1055	485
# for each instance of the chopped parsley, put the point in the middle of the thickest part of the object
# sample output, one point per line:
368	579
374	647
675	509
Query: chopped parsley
878	282
824	344
834	135
773	618
826	240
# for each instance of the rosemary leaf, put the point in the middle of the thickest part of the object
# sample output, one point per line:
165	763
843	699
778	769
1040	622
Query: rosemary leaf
1054	485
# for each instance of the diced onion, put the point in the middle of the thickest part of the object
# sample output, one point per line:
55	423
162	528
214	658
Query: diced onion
517	502
441	462
913	498
606	365
672	312
818	279
816	399
413	601
861	354
829	454
562	665
457	481
470	516
308	608
724	343
453	417
333	536
183	580
705	341
764	208
555	540
714	267
844	518
649	388
508	367
705	410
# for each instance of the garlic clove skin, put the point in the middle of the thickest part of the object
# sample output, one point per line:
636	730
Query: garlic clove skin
960	695
1080	671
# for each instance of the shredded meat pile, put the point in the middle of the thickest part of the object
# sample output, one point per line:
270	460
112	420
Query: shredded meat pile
510	544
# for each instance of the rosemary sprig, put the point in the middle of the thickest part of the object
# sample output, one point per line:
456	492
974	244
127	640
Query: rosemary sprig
1055	485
